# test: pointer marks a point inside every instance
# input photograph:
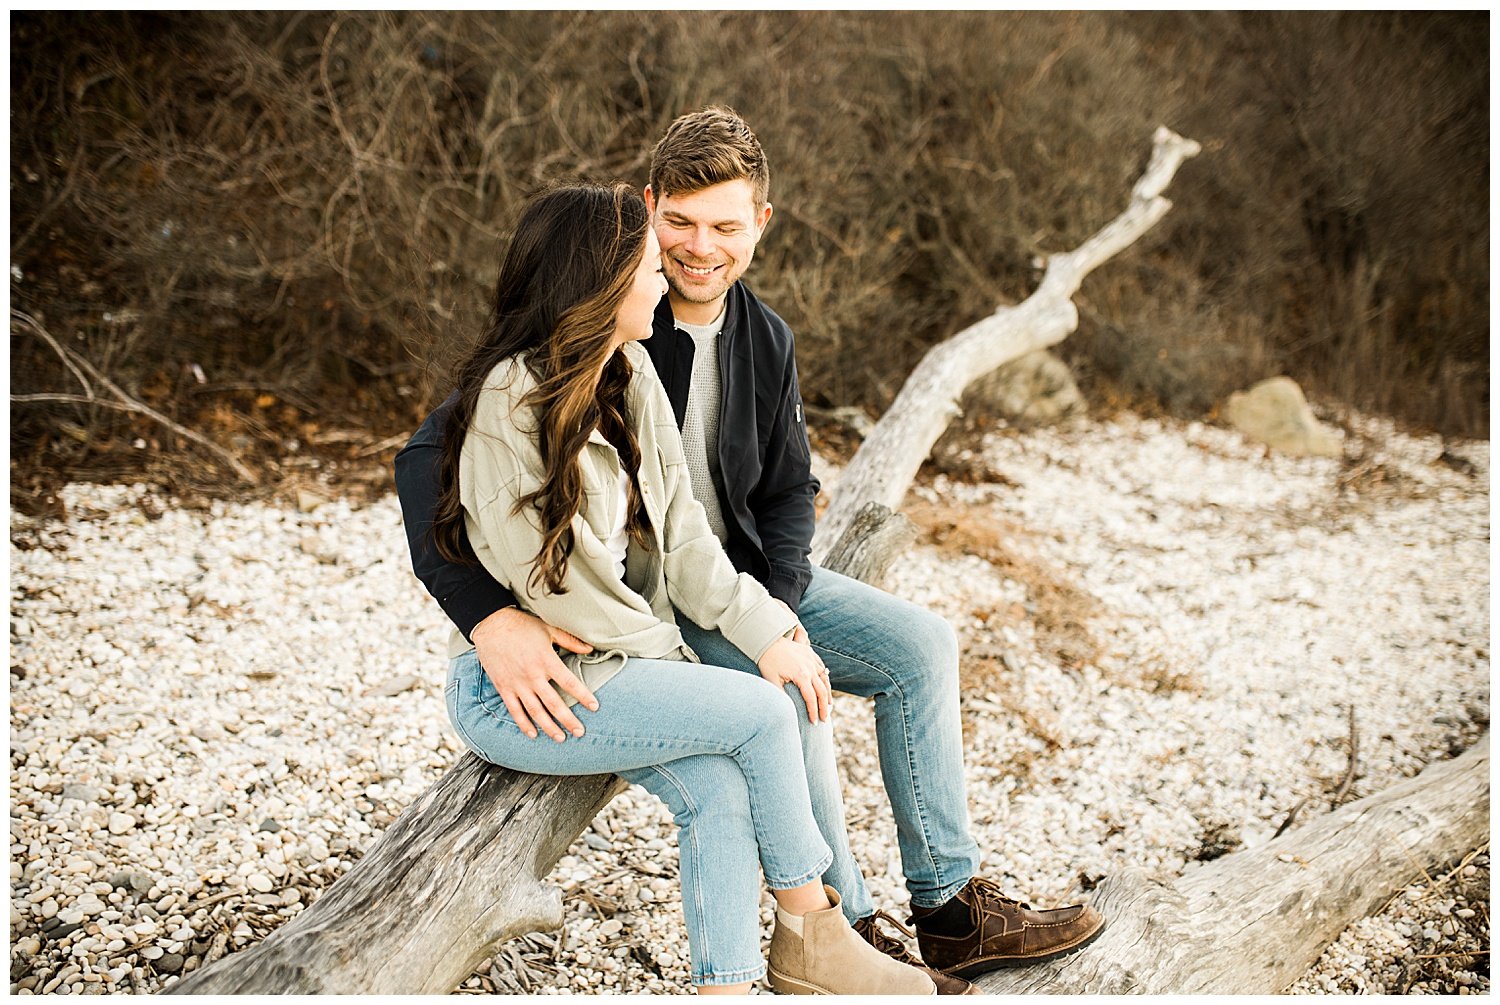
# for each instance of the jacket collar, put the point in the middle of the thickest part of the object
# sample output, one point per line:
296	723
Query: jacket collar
734	308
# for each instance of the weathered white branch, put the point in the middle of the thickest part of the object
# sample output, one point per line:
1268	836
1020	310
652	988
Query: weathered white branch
886	463
872	542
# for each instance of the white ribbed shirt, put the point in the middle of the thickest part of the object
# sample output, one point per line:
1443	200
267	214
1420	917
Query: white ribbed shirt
700	423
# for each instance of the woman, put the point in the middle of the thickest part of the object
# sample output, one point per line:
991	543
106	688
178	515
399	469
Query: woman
563	461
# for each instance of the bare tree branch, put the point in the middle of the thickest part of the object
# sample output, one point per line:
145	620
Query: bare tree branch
123	403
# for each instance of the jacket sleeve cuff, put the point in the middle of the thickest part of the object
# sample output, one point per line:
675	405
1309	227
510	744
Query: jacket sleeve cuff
476	600
754	633
788	588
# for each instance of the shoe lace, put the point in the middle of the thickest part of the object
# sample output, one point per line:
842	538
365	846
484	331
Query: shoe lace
987	889
887	944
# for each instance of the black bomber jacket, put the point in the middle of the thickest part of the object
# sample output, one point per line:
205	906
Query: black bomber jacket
763	457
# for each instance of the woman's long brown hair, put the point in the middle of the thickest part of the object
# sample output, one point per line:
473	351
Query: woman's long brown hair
565	274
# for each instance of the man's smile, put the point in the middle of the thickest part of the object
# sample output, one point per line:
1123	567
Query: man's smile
697	271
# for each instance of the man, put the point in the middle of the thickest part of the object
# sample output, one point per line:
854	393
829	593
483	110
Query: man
727	363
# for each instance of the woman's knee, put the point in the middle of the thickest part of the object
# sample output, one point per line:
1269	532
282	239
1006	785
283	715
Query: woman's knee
812	733
773	710
758	715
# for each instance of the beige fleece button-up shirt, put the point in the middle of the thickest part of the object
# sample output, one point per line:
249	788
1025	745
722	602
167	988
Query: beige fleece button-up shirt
685	567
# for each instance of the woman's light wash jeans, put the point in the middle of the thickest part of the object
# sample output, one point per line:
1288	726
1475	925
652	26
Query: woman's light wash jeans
721	748
906	658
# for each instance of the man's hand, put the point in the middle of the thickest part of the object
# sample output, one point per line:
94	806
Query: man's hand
515	649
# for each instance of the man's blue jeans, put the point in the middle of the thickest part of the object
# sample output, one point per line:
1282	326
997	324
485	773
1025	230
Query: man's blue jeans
721	749
906	658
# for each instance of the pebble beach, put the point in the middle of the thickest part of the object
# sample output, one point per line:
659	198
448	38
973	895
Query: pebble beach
1172	639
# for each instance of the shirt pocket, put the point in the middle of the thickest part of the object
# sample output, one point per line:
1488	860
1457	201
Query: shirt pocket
597	510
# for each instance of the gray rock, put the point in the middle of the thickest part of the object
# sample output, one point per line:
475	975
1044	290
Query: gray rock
1035	390
171	963
1274	412
81	792
309	501
269	825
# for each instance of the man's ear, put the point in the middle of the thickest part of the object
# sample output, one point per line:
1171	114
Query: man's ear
650	198
762	218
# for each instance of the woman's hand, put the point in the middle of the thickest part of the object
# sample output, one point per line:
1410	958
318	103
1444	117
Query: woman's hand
789	662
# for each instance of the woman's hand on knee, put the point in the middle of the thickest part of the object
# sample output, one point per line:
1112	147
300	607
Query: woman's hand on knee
789	662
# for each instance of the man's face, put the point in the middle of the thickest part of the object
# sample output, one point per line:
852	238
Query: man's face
708	238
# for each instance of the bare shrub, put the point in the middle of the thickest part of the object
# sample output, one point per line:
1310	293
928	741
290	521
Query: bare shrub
215	207
1344	224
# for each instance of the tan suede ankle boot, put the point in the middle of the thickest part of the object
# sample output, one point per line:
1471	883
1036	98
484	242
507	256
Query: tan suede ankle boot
829	958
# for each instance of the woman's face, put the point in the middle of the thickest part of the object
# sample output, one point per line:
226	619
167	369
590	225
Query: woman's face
633	322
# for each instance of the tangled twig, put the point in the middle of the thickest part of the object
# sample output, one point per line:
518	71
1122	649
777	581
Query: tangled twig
1343	792
83	370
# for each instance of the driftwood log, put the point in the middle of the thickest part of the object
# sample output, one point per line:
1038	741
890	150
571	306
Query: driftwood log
462	868
1254	921
457	873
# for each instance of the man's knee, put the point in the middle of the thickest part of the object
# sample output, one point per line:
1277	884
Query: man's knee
943	641
931	650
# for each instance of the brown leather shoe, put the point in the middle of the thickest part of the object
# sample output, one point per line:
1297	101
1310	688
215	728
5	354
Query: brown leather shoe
1006	933
896	949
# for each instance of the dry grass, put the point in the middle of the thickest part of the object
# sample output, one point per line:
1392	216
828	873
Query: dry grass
1057	609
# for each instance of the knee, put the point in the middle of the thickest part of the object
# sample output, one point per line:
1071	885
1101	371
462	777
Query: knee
811	732
944	644
932	651
771	711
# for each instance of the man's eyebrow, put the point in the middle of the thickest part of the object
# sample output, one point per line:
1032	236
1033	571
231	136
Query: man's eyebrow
727	222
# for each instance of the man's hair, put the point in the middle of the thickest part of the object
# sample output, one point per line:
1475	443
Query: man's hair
705	148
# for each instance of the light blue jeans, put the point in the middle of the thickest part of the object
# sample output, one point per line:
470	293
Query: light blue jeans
879	646
721	748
